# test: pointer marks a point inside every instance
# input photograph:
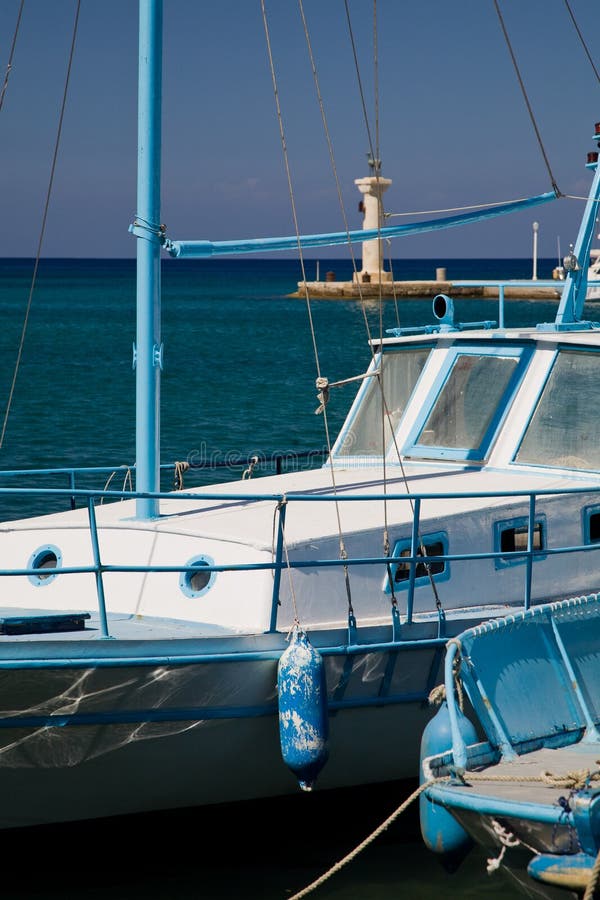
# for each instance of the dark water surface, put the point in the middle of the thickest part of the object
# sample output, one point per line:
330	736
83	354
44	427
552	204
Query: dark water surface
268	850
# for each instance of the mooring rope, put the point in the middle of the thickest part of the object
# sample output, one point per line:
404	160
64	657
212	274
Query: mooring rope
575	780
368	840
590	890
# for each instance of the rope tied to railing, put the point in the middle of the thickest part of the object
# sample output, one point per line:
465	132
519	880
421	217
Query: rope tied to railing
247	473
180	468
438	694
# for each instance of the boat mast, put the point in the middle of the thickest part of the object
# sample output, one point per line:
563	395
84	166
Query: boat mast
148	349
570	309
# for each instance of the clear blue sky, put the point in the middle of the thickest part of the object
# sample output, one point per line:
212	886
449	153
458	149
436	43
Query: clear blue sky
453	126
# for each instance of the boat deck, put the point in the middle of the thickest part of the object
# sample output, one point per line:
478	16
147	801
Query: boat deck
36	624
539	778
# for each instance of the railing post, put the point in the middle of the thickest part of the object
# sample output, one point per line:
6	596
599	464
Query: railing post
98	568
72	486
282	506
529	557
414	546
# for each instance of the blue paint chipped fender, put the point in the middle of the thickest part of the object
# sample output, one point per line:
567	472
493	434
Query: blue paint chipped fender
303	721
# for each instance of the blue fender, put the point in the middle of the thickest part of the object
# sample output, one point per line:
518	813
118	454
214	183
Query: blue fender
572	871
303	719
440	830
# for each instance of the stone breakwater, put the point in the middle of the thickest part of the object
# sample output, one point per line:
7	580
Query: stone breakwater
388	290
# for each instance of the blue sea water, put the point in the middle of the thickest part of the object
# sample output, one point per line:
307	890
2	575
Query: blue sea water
239	361
240	364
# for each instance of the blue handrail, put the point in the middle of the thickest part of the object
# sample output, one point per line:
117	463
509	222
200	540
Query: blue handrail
280	560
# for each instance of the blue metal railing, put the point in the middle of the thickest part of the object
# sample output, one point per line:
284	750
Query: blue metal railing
280	561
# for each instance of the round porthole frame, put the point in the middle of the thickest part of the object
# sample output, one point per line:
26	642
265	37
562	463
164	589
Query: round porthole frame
186	578
43	555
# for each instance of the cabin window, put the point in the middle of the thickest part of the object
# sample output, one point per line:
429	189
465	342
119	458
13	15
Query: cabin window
432	545
365	433
511	537
565	427
468	401
42	559
197	581
591	525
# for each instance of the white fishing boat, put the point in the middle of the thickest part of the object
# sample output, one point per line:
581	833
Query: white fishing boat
220	643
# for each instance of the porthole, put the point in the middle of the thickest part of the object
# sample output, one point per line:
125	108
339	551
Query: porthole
196	582
47	557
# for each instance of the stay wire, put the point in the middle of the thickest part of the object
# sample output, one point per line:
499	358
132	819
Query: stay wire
359	81
332	158
9	64
296	226
527	103
583	43
43	225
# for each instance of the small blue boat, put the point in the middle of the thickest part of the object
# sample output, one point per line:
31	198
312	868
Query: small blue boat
525	783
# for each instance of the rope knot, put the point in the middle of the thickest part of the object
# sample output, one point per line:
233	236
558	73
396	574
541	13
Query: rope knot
180	468
247	473
437	695
322	394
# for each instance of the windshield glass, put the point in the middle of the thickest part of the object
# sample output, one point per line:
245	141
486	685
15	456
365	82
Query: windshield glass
366	431
468	401
565	428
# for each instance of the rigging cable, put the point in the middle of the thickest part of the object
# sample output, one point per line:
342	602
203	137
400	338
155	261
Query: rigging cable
343	552
43	225
374	150
584	45
527	103
11	54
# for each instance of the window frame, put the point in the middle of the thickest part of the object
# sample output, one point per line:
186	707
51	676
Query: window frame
401	544
521	352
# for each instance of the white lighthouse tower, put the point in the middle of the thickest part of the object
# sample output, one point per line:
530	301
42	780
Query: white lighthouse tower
372	190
